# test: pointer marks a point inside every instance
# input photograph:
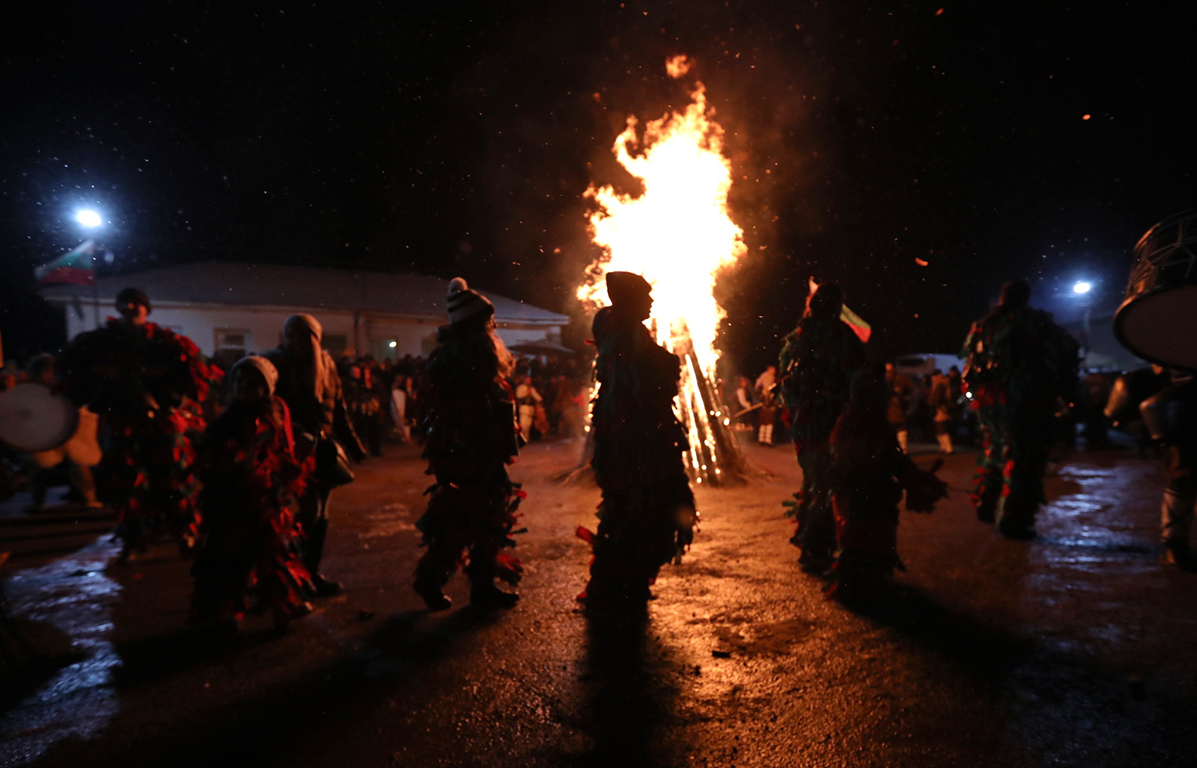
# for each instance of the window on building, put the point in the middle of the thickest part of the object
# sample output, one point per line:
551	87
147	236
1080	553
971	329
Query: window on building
230	340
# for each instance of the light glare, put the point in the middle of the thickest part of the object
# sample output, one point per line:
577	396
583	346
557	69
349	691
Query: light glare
88	218
1082	287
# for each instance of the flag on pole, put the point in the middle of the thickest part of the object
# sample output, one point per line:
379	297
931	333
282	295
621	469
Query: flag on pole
854	321
862	329
76	267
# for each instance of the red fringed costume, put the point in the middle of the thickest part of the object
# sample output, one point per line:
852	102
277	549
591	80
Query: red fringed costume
867	475
248	535
150	383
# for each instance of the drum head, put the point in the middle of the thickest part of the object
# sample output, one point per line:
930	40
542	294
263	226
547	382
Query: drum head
34	418
1161	326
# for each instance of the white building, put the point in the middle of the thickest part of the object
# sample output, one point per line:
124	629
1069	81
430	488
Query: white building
241	307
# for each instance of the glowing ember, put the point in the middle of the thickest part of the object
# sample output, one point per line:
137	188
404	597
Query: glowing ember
678	235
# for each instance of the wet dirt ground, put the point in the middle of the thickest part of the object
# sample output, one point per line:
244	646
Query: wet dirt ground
1073	649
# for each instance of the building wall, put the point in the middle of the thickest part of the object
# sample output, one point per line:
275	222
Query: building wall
206	325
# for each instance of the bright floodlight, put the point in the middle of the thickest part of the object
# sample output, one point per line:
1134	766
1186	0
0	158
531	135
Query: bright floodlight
88	218
1082	287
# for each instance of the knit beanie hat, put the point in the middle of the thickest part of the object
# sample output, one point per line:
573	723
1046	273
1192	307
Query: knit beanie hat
625	287
465	303
133	296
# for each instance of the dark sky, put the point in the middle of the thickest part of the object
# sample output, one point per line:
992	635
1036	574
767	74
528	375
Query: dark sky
458	139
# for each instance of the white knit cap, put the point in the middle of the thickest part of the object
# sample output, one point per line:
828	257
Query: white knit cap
464	302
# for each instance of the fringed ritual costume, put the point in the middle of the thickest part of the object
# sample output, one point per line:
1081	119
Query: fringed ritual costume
647	513
469	419
867	475
1019	363
249	535
817	363
150	383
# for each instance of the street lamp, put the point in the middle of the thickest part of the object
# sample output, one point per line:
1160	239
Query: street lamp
1082	287
88	218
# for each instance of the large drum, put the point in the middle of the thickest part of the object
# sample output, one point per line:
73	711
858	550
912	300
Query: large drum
35	418
1158	319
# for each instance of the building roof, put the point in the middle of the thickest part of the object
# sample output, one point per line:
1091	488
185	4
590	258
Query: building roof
213	282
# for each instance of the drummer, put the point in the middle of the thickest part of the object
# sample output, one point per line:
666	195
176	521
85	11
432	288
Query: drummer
81	452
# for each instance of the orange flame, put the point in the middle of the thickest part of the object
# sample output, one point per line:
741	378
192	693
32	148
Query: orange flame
678	233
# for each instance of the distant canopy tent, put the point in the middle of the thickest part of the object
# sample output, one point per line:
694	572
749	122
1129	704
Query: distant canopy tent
75	267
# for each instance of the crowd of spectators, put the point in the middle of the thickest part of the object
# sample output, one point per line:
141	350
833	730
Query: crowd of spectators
383	398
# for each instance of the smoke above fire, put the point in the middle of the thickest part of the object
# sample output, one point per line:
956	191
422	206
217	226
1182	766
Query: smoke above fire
677	233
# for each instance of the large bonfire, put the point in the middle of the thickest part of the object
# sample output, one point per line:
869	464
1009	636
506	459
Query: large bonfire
678	235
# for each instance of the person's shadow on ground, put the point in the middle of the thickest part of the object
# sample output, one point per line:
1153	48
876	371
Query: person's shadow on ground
627	702
261	730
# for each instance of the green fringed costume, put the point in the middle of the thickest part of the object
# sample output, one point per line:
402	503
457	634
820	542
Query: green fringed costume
1019	363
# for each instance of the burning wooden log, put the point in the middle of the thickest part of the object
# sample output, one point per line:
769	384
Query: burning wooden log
679	235
713	455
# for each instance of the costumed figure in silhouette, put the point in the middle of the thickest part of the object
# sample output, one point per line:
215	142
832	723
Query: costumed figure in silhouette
647	514
817	363
249	536
150	384
1019	365
868	473
471	436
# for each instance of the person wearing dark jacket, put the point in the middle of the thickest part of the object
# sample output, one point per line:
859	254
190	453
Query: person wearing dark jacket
308	383
647	514
470	438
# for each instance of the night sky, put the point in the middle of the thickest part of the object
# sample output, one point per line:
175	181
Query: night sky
458	139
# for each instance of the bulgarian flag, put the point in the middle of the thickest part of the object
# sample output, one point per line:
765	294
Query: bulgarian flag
854	321
76	267
862	329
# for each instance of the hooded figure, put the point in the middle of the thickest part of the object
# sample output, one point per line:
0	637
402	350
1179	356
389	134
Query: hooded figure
248	534
309	385
647	514
471	437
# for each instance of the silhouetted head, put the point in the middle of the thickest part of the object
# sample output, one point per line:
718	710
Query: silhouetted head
826	301
630	294
133	305
1016	293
